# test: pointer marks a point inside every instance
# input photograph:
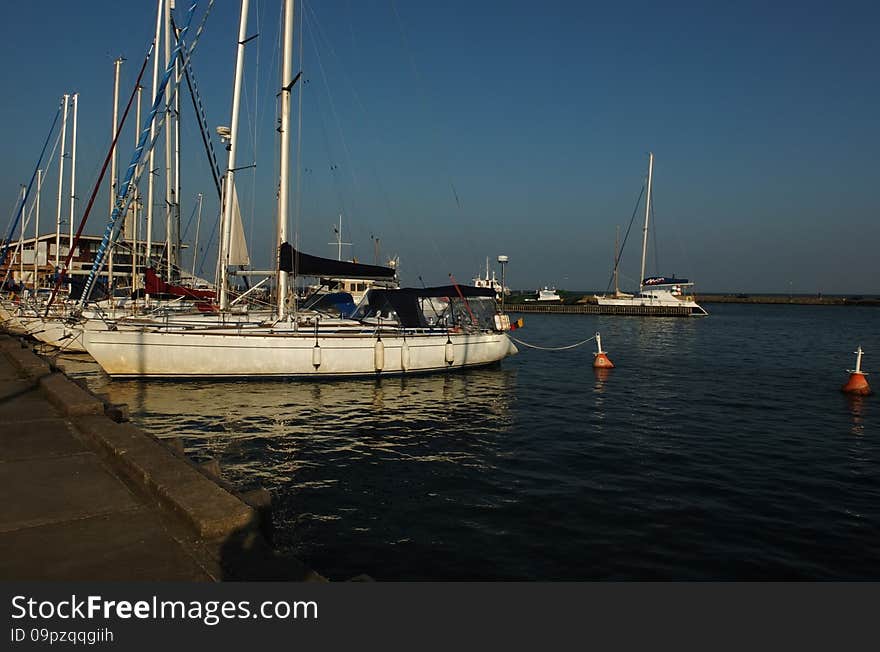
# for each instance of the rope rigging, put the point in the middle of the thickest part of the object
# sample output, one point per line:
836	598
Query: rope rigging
27	193
26	223
132	177
623	244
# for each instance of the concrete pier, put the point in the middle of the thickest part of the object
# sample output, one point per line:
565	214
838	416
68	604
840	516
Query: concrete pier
87	498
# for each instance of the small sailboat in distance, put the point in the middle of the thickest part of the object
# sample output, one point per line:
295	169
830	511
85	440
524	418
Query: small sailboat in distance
658	296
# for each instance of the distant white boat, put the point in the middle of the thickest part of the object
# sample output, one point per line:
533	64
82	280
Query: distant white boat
546	295
657	295
488	281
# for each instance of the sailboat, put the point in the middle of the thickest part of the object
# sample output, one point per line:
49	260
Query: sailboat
394	331
657	296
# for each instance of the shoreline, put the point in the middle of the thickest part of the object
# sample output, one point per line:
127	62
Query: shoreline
580	299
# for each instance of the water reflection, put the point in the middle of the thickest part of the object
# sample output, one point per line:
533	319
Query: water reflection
243	422
602	376
857	410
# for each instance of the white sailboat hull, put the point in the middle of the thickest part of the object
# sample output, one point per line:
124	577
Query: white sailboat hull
60	334
176	354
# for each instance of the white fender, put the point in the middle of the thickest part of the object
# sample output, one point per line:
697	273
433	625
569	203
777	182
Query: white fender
380	355
316	356
404	355
450	352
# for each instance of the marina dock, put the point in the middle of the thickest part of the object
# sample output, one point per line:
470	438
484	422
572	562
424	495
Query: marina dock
90	496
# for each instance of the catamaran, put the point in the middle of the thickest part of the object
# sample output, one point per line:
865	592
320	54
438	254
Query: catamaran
657	295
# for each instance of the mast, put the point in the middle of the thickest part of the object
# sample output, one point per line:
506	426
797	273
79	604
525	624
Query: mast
178	256
37	228
647	213
149	234
229	184
73	170
133	233
299	114
339	241
616	260
116	65
64	102
21	237
196	241
284	182
169	183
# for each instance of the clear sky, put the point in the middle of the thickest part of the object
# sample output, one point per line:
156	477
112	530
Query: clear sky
456	130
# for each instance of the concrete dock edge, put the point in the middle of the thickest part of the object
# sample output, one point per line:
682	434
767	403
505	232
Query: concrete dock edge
212	511
228	531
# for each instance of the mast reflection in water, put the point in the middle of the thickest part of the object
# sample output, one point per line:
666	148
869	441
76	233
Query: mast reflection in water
356	462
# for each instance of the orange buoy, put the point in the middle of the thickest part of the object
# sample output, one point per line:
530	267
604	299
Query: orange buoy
600	358
857	383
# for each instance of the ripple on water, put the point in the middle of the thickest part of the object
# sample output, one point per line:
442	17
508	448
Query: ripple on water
718	448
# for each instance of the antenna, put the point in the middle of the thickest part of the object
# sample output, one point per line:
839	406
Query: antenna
339	243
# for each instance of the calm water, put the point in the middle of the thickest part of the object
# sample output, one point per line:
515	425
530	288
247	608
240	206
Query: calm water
719	448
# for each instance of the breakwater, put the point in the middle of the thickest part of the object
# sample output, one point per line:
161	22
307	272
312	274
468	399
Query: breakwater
595	309
802	300
586	304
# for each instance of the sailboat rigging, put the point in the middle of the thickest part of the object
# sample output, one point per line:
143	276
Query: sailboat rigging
394	331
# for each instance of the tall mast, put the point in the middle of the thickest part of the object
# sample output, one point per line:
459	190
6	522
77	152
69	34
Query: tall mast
116	65
135	225
169	182
73	170
113	164
64	101
647	213
284	182
229	183
178	260
149	235
37	227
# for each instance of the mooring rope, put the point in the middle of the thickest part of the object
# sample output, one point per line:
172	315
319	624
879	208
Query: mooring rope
551	348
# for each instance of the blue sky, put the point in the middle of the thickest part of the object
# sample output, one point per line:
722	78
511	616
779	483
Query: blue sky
459	130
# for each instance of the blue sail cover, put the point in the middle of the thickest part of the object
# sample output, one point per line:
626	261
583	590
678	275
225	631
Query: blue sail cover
665	280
